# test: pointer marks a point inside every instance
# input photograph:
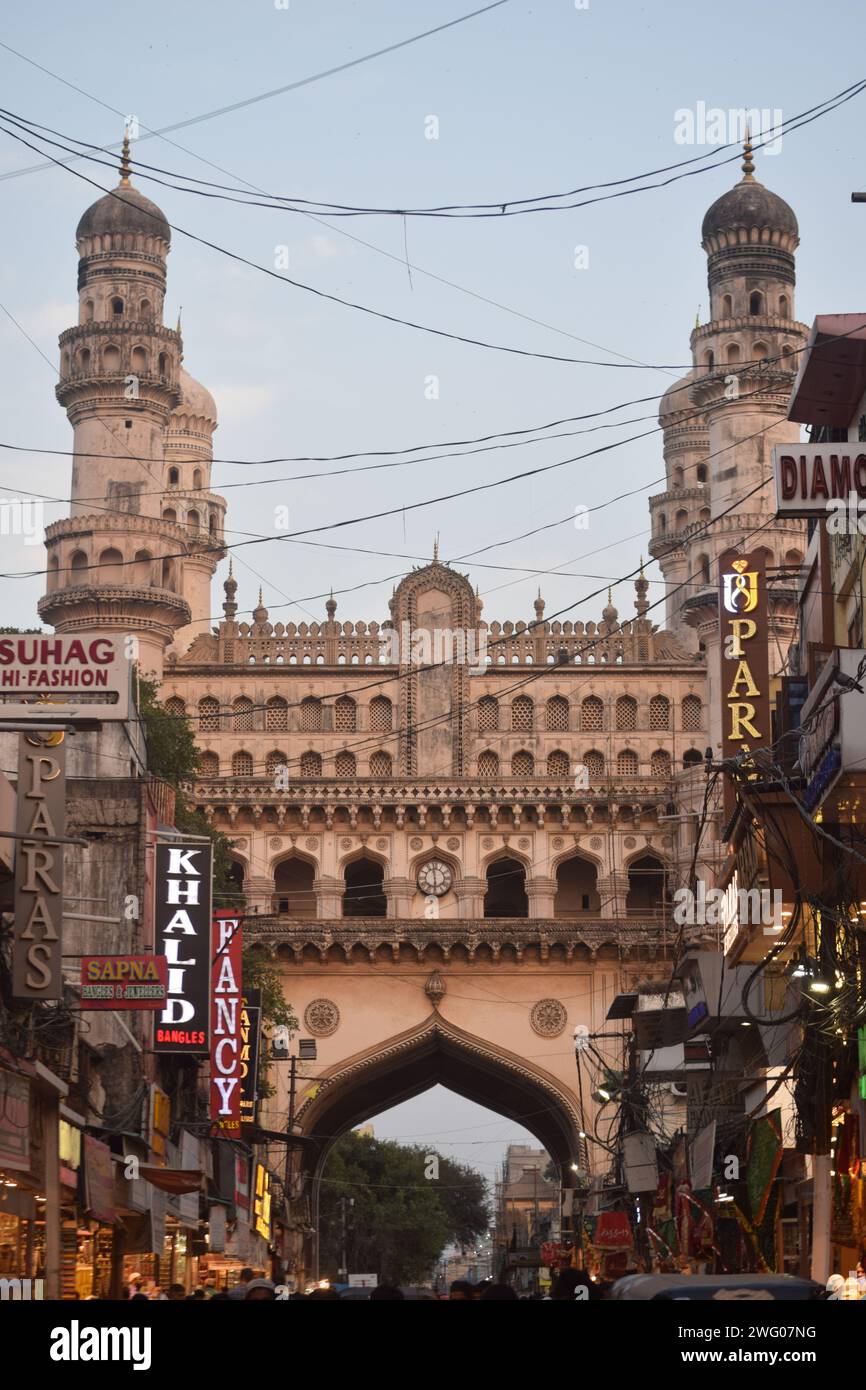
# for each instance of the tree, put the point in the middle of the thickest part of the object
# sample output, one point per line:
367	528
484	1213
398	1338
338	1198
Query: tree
400	1221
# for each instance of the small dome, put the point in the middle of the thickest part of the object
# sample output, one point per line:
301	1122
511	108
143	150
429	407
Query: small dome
609	613
195	399
749	204
676	397
124	210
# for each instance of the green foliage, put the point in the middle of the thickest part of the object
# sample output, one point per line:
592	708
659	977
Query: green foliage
257	974
400	1222
171	752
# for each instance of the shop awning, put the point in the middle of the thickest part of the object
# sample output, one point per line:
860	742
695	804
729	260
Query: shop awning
174	1180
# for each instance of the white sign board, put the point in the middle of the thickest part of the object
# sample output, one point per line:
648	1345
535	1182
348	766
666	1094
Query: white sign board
363	1281
810	476
76	677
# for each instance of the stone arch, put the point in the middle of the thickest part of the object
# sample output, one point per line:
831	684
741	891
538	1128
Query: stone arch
111	566
576	886
294	875
409	1063
364	888
505	895
647	883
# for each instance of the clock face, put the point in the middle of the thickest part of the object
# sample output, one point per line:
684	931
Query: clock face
435	877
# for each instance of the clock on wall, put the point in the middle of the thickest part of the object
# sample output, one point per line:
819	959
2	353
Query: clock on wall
435	877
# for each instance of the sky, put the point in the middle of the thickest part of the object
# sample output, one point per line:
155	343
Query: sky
526	99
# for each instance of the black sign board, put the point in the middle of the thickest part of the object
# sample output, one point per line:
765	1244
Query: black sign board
251	1033
182	924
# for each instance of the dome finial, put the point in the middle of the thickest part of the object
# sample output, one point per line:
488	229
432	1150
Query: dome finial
748	162
436	549
124	161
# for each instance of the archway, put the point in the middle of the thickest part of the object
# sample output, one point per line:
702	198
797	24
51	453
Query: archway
293	887
647	886
364	895
435	1053
506	889
576	888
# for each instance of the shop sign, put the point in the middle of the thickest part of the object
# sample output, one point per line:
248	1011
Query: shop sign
612	1231
251	1032
182	923
70	1153
262	1204
226	1022
78	677
99	1181
811	476
124	982
744	648
160	1121
37	947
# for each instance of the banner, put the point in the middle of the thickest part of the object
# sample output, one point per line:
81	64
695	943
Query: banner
124	982
182	925
226	1026
763	1157
37	946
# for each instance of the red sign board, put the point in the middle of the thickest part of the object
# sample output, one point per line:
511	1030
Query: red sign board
613	1231
226	1064
124	982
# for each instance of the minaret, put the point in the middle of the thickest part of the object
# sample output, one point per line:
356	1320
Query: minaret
115	563
745	361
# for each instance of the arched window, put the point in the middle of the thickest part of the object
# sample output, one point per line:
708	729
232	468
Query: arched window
701	473
626	713
85	361
111	359
760	352
558	764
53	571
710	361
276	715
311	715
557	714
111	567
209	715
522	714
364	894
208	765
139	361
242	764
591	714
275	761
345	715
169	514
681	520
627	764
576	889
692	758
242	714
144	310
311	764
756	302
733	352
380	765
173	477
193	520
488	714
167	574
660	763
116	308
142	570
678	477
663	523
163	364
727	306
78	565
236	878
88	311
702	569
793	558
783	306
344	764
647	887
506	889
522	764
488	764
175	706
594	764
660	712
692	713
293	888
381	715
197	478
